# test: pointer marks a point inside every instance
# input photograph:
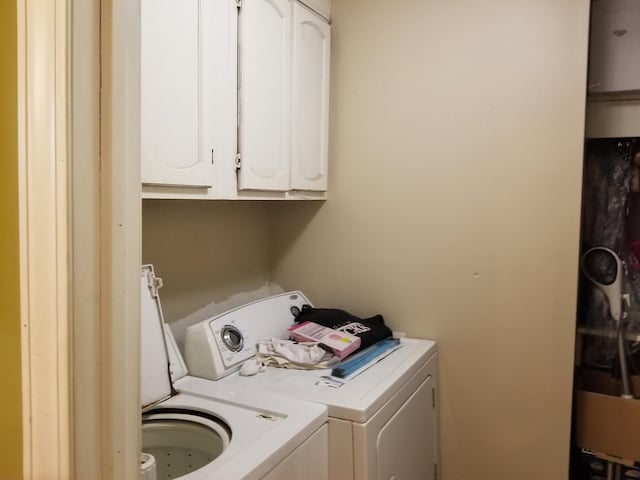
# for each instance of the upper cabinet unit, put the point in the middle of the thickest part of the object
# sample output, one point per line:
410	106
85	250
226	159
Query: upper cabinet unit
235	99
284	97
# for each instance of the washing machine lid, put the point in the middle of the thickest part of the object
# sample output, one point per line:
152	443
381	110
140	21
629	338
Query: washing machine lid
161	361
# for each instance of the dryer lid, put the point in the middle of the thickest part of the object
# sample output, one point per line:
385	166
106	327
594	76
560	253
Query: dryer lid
161	361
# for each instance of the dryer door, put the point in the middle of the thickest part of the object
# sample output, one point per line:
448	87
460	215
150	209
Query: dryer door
400	443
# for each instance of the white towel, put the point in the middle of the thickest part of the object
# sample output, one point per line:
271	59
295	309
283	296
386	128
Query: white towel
289	354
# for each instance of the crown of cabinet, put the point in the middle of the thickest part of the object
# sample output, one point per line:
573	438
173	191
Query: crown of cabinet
235	99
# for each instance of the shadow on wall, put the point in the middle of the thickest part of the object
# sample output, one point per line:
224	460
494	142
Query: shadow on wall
205	251
214	255
296	217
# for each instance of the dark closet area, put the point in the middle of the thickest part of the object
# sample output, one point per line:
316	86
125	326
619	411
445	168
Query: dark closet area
606	401
606	414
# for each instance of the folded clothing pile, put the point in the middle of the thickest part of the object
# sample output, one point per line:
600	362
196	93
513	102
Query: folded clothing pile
324	349
368	330
289	354
339	343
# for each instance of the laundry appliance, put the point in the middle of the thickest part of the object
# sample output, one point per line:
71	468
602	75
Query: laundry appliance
383	423
196	429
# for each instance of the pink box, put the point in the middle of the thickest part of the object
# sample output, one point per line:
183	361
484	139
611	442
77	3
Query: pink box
340	343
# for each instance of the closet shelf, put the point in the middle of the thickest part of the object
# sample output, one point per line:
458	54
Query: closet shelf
604	332
613	97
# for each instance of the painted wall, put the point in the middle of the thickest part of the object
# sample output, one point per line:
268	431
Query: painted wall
456	147
212	256
10	398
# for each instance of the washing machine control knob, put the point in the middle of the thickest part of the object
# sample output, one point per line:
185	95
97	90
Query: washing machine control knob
232	338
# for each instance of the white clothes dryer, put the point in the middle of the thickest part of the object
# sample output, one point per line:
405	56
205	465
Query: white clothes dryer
383	424
195	429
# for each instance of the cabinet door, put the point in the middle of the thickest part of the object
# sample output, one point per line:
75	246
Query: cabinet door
310	103
172	146
264	94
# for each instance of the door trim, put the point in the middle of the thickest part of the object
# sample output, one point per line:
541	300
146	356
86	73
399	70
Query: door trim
43	206
121	217
80	237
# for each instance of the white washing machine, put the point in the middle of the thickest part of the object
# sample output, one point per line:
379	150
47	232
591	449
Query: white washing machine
195	429
383	424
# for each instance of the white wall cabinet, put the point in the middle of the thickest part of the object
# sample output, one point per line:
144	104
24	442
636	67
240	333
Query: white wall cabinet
284	97
235	101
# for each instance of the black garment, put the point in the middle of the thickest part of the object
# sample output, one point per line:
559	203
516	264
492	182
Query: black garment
370	330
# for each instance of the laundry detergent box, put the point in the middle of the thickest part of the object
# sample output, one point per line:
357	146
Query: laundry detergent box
340	343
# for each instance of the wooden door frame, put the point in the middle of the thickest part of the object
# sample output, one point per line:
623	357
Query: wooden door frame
80	233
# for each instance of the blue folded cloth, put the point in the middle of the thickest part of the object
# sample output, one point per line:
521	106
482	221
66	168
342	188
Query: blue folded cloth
354	363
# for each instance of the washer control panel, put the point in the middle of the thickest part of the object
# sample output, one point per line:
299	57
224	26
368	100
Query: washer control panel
232	341
218	346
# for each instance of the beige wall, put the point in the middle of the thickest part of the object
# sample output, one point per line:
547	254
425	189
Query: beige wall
606	118
456	150
206	252
10	398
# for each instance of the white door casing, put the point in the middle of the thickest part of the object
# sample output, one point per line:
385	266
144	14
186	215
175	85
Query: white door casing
120	239
79	237
44	238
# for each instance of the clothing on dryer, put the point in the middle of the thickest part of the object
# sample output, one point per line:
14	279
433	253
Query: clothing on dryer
370	330
288	354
